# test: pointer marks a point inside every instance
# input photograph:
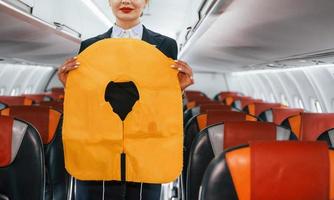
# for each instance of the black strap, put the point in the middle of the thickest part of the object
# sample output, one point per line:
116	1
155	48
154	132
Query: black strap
123	167
123	175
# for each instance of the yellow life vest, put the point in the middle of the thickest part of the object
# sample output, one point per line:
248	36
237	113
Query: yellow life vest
150	137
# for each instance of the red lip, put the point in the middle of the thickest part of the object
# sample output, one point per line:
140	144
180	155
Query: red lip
126	9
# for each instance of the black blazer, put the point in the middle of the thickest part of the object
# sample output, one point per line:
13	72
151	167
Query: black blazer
165	44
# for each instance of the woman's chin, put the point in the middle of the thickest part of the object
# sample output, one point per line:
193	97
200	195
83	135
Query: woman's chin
127	17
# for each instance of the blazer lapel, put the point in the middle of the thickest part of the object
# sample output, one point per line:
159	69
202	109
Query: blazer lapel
105	35
147	37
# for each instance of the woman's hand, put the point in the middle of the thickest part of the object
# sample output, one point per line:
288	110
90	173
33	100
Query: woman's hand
185	74
68	66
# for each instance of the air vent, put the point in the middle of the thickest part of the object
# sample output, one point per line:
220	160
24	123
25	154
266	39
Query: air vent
320	55
311	56
66	28
276	65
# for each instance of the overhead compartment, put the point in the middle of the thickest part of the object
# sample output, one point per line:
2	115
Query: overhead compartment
47	32
191	20
207	11
263	34
74	16
28	2
27	39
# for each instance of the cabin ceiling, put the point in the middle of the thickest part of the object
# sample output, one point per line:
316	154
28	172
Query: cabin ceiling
246	35
26	39
253	34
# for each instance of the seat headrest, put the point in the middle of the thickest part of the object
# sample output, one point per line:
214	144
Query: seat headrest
257	108
197	98
245	102
57	93
237	100
57	105
288	170
229	100
224	95
57	90
309	126
37	98
15	100
303	170
237	133
216	116
11	136
205	107
205	101
271	170
193	95
44	119
281	114
192	104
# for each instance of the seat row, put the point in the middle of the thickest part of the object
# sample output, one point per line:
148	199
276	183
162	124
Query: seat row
31	150
53	99
234	143
225	140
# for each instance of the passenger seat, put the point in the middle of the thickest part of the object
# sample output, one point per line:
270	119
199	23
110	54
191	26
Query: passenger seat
48	122
15	100
21	161
271	170
313	127
212	141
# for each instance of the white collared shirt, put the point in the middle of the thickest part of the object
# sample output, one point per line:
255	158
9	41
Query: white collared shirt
135	32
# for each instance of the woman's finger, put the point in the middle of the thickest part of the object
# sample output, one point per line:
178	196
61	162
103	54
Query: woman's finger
72	64
70	67
73	61
188	70
64	70
183	68
181	62
70	60
178	66
184	64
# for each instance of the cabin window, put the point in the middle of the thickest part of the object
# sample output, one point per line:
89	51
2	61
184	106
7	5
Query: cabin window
15	92
316	106
284	101
54	82
28	90
263	97
272	98
332	105
256	95
298	103
2	91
